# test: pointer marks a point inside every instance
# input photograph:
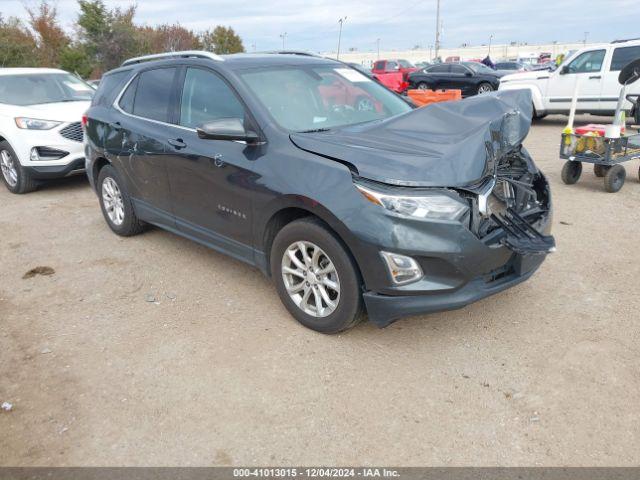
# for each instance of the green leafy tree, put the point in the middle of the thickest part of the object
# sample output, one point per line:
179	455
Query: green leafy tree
222	40
74	58
17	45
108	36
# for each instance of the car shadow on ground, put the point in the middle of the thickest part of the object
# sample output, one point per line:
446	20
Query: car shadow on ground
74	182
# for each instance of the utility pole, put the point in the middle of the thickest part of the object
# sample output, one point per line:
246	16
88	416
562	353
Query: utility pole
340	21
437	44
490	38
586	34
283	36
378	46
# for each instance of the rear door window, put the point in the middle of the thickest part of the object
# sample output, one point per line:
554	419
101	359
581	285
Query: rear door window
153	94
624	55
458	69
439	69
391	66
206	97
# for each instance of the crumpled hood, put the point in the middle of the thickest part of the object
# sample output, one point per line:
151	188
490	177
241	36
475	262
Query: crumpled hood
451	144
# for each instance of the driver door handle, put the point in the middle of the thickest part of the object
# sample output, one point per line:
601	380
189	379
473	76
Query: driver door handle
595	77
177	143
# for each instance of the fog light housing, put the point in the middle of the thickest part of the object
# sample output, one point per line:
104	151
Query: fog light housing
402	269
34	156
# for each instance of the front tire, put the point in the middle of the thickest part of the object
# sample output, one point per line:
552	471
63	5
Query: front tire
571	172
315	277
484	87
15	177
116	204
423	86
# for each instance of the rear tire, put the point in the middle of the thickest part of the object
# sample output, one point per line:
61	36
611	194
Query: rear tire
614	178
600	170
321	266
571	172
15	177
116	204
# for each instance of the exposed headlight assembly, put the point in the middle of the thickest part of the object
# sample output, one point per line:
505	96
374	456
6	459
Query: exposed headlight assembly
425	204
36	124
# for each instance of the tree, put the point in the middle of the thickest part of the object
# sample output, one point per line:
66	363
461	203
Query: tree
222	40
49	37
74	58
17	45
108	36
167	38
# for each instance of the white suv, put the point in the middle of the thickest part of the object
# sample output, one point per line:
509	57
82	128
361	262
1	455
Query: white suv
41	132
596	67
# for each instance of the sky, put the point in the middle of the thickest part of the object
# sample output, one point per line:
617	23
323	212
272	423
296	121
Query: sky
313	24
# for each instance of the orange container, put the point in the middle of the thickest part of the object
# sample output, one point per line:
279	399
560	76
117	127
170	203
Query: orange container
427	97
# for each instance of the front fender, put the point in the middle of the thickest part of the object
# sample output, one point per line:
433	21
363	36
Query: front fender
536	94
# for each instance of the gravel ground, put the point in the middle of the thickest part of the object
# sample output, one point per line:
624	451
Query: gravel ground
156	351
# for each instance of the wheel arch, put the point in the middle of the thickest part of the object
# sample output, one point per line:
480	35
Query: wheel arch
98	164
294	208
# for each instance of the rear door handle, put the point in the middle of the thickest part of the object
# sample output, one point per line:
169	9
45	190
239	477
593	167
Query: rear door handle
595	77
177	143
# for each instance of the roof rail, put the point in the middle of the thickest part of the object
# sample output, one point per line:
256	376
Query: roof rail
623	40
183	54
291	52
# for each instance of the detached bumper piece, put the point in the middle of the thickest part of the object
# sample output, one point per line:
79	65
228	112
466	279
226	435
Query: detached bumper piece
521	237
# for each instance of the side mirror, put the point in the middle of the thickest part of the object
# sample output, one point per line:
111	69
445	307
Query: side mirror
226	129
564	70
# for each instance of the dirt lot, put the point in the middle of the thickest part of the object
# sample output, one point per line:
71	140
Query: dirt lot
156	351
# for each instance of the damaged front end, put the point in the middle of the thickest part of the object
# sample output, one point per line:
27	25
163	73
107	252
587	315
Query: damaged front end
512	205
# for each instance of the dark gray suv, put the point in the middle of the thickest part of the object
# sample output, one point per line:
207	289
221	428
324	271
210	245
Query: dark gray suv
342	192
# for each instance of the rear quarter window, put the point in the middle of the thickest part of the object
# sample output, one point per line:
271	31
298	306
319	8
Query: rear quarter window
624	55
109	88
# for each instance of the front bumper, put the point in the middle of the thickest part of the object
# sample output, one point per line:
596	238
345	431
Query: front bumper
383	310
23	141
44	172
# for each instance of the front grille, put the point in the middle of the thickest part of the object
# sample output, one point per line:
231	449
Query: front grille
73	132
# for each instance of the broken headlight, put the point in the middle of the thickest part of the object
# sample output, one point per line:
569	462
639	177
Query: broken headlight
434	204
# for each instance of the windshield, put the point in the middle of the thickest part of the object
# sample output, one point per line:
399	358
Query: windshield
321	97
37	88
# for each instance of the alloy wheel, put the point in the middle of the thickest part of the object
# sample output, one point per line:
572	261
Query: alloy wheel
112	200
8	166
484	88
311	279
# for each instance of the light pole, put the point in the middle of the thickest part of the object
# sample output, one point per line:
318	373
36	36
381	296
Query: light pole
490	38
340	21
283	36
437	44
586	34
378	47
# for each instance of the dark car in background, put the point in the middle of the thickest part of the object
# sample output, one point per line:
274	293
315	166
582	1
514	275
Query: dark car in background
513	66
470	77
391	209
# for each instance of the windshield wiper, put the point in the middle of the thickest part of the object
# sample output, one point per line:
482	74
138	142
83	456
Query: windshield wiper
314	130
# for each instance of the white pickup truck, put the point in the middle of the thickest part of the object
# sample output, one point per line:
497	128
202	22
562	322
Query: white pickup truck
596	68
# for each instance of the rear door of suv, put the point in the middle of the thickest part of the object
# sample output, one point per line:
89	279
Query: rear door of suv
619	57
138	138
211	181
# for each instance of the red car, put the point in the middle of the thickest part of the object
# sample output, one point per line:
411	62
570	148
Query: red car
393	73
